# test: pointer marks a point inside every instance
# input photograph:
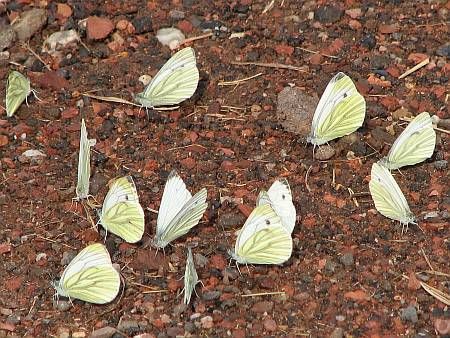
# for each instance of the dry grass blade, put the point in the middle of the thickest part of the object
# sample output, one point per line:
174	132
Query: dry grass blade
436	293
204	36
269	6
416	67
271	65
315	52
110	99
264	294
237	82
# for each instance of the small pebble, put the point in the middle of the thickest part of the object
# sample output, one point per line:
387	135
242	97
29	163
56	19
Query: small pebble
409	314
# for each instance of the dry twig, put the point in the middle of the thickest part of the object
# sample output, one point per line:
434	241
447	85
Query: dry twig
416	67
237	82
316	52
270	65
194	38
264	294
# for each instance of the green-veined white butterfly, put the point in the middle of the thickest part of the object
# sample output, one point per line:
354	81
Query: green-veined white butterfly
279	196
17	90
121	212
175	82
341	110
190	277
263	239
90	277
84	163
387	196
179	211
415	144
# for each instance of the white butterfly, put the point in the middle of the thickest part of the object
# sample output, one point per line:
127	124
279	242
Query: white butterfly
84	163
122	213
190	277
90	277
179	211
341	110
263	239
279	196
175	82
415	144
387	196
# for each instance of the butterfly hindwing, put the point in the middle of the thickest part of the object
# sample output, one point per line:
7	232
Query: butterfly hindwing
175	82
90	276
279	196
341	110
415	144
387	196
263	239
122	214
17	90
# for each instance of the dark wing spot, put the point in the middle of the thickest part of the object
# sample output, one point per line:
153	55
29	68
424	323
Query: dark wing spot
283	197
267	222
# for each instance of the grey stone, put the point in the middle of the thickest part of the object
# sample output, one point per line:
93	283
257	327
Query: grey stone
330	266
30	23
324	152
211	295
347	259
200	260
328	14
176	14
175	331
143	24
337	333
104	332
409	314
128	325
7	37
444	50
295	110
189	327
62	305
67	257
441	165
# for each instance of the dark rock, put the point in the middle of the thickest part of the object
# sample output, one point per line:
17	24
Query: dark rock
143	24
30	23
211	295
444	50
347	259
379	62
7	38
409	314
369	41
441	165
104	332
328	14
295	110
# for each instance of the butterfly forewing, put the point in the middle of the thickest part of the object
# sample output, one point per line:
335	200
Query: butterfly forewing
84	164
279	196
186	218
176	81
387	196
17	90
90	276
263	239
122	214
190	277
415	144
175	196
341	110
